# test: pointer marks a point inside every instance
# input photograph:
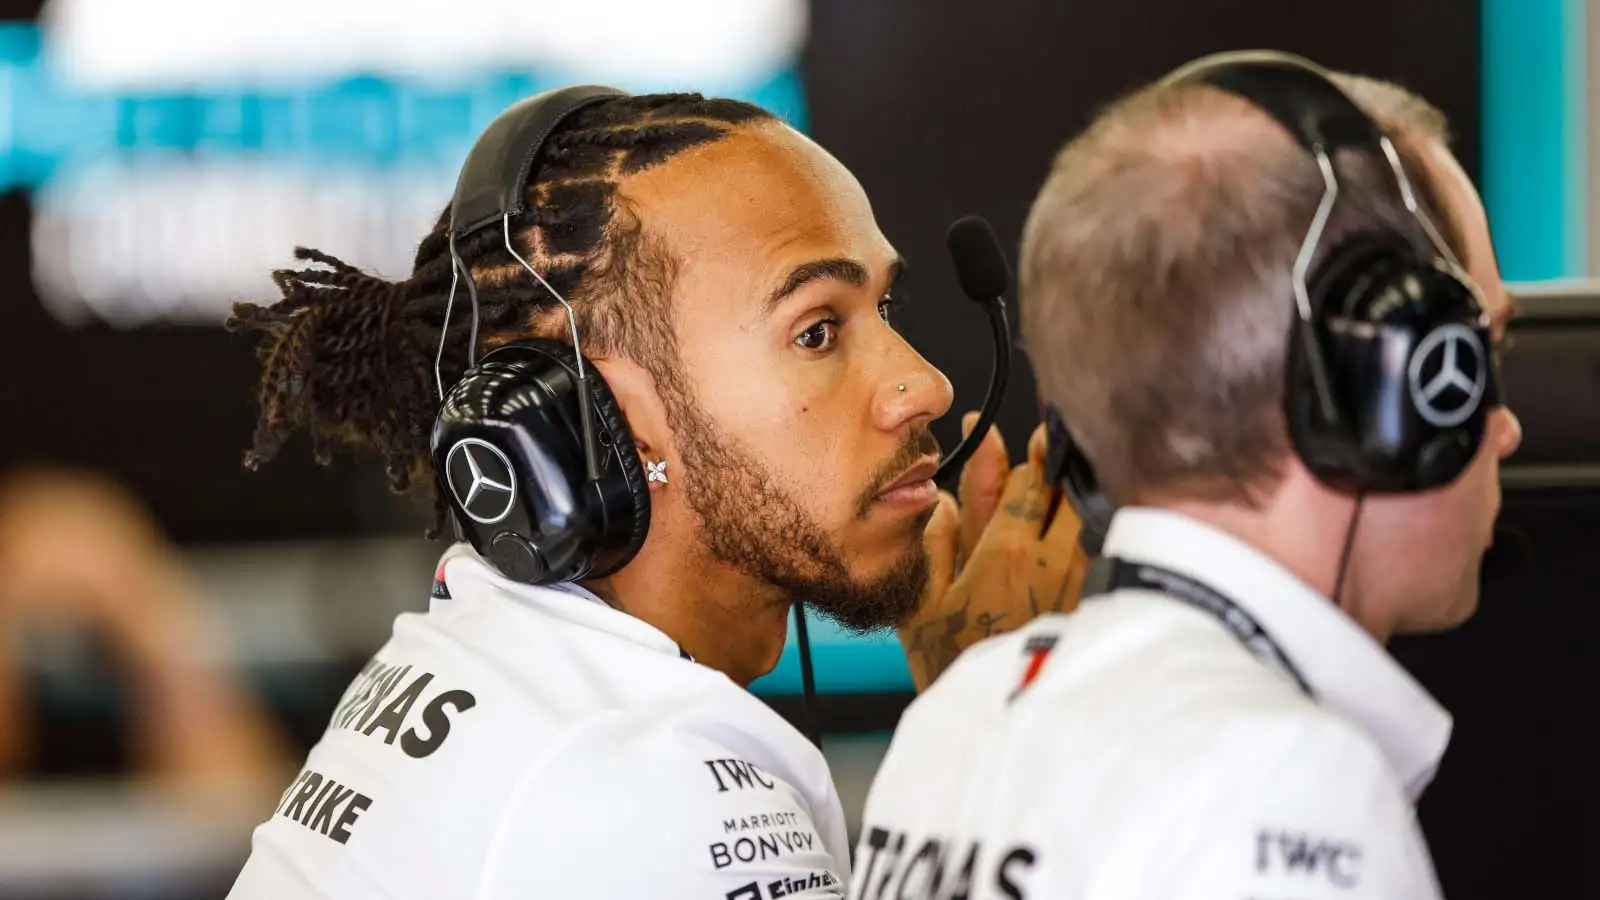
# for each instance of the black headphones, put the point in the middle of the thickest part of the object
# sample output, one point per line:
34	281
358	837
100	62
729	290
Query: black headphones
1390	376
530	448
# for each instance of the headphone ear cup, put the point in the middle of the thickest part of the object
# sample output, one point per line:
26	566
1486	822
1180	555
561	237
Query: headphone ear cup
508	448
619	505
624	498
1379	312
1343	289
517	558
1451	385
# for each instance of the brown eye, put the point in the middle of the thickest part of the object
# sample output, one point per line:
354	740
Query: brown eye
820	336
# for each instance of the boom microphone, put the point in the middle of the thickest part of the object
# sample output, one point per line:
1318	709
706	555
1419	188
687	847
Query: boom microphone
984	276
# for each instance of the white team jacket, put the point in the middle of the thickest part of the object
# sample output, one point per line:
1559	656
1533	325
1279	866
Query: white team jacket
518	742
1150	755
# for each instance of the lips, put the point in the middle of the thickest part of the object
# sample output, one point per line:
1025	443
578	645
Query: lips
915	475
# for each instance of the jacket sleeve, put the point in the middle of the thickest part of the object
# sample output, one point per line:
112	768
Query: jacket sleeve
668	814
1310	810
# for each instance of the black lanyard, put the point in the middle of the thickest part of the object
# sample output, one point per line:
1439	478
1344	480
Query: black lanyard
1109	574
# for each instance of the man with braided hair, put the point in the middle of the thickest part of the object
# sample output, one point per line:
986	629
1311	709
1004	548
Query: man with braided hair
595	740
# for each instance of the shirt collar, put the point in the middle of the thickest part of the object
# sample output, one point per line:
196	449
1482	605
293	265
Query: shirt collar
468	575
1347	669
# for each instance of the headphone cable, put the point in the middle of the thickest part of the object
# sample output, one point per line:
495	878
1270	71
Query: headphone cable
808	682
1349	545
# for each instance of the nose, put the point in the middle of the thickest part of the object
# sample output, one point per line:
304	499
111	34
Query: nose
912	393
1506	431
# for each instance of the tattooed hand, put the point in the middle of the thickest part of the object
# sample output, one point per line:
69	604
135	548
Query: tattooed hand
996	562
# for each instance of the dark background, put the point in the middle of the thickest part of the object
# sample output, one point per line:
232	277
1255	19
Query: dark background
944	107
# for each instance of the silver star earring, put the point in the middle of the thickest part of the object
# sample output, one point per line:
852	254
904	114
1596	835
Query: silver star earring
655	471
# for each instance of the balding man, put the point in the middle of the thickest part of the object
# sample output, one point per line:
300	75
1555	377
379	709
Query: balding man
1241	293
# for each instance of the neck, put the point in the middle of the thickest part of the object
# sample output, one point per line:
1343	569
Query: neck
1303	528
724	619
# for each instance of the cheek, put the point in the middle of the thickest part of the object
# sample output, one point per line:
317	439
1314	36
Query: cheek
1473	499
791	417
1426	535
1402	558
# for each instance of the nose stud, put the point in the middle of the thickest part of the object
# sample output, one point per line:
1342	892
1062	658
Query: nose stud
902	389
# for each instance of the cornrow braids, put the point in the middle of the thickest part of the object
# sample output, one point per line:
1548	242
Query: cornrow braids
349	356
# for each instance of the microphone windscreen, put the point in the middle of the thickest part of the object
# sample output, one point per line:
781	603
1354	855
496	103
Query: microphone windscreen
980	264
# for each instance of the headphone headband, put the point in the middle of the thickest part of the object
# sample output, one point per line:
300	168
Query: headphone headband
1296	92
531	447
494	178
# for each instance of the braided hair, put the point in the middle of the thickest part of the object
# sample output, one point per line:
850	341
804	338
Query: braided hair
349	356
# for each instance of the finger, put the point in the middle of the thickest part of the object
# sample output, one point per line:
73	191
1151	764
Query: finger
1060	563
941	540
1038	447
985	471
982	482
1022	507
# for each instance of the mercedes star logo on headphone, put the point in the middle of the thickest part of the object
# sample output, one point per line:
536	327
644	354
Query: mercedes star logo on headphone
482	480
1447	375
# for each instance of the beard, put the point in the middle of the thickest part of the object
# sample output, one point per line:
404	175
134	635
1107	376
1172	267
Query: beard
749	523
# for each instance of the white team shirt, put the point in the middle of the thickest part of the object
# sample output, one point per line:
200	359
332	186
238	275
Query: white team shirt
521	742
1136	749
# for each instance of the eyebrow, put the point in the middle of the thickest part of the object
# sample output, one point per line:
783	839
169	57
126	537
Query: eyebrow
839	268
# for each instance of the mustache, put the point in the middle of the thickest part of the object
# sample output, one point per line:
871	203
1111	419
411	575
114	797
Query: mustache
918	444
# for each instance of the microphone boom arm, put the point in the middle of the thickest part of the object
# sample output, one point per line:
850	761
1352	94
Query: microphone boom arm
1000	330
